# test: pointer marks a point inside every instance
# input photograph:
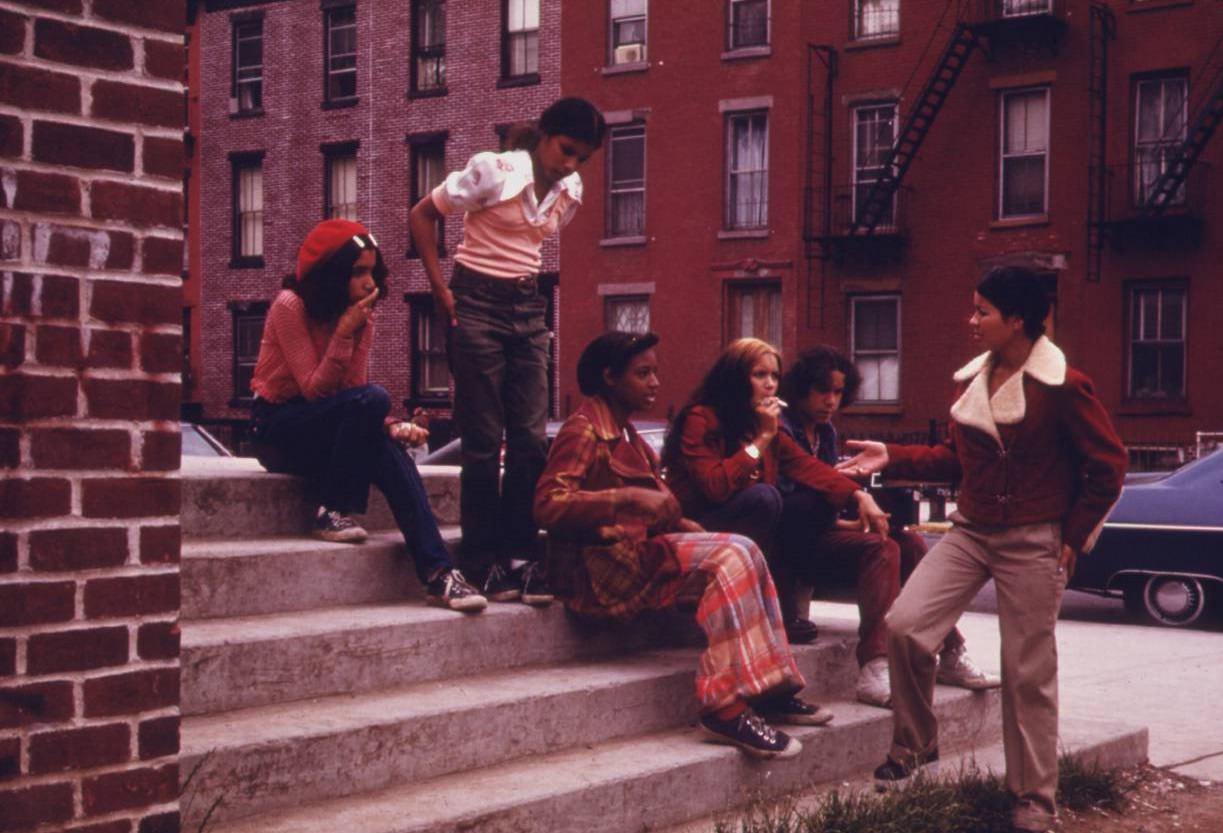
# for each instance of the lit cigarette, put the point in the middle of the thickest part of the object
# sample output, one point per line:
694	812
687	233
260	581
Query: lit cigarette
783	403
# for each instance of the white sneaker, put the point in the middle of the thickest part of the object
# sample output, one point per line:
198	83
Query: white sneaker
956	668
874	687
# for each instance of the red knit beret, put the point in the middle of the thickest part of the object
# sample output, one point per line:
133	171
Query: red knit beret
324	240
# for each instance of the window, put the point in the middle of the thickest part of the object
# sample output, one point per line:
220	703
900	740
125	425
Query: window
875	325
1160	125
874	137
747	154
248	211
520	42
627	27
1157	342
627	313
876	19
341	53
247	86
749	23
755	311
430	370
429	45
340	193
1019	8
1024	152
428	160
626	182
248	318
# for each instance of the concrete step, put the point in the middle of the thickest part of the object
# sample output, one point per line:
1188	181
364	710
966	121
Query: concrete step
630	784
1091	741
233	497
278	756
246	661
254	576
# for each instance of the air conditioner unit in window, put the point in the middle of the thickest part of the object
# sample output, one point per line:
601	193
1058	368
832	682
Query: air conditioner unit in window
629	53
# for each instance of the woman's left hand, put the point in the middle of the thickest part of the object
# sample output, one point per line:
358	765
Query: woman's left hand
409	433
1065	563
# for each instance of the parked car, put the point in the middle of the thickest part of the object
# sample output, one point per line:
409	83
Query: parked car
1161	548
653	431
197	442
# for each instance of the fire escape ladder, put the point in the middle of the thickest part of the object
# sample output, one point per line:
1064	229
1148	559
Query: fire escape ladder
1207	119
917	124
1103	30
818	216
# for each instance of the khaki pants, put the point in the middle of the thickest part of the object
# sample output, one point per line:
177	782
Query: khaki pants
1022	560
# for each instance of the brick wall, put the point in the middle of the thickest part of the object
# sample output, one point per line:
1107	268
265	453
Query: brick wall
90	255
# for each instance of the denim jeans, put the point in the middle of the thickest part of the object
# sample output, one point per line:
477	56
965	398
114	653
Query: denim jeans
339	444
499	359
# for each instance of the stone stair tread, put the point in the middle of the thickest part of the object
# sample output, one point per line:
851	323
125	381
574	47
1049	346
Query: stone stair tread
294	544
324	620
470	799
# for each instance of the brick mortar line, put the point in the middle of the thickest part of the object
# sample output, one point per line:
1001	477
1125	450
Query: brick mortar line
73	625
151	131
91	75
76	776
88	19
97	423
111	374
92	175
94	324
85	273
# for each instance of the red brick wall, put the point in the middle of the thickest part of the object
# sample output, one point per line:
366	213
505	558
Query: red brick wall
90	298
294	126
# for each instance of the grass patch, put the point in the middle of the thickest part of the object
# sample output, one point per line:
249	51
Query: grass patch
970	801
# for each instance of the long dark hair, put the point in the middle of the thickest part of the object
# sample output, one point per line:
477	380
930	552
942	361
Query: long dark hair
727	390
324	289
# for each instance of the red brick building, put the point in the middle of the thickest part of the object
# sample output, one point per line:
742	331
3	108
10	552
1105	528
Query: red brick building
91	165
351	109
747	190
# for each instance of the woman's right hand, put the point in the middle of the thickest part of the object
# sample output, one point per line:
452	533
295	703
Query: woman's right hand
872	456
653	508
357	315
444	298
768	416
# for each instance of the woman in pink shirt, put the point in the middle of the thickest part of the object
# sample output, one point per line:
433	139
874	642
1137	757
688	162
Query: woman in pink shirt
316	416
498	337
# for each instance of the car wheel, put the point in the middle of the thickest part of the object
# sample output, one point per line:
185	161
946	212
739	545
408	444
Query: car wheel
1174	601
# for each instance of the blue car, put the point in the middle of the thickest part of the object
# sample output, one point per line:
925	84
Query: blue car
1161	548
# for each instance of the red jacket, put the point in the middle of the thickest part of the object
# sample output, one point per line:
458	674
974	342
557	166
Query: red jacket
704	477
1041	449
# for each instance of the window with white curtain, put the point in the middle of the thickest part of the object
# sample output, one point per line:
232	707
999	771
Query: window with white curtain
755	312
429	45
747	170
876	19
521	38
874	137
341	191
248	209
627	313
875	340
1024	153
1157	342
626	181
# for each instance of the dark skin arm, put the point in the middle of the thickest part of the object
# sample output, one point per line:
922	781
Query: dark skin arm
423	224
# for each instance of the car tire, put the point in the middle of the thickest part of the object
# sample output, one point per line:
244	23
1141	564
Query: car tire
1168	600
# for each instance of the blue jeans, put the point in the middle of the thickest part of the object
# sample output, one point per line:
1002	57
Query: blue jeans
499	359
339	444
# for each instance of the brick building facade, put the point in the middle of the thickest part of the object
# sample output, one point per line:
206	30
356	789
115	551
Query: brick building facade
747	141
91	109
348	109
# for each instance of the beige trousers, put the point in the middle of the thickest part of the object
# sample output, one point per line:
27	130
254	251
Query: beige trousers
1022	560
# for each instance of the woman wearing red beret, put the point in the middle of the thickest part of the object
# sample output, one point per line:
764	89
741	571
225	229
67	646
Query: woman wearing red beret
316	416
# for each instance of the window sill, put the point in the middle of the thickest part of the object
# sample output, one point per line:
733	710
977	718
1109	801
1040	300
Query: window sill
434	92
744	53
1155	407
247	114
1140	6
743	234
872	408
872	43
613	242
246	263
1020	222
518	81
341	103
626	69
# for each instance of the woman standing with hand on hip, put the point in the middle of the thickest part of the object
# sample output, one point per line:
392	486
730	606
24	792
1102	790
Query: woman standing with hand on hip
498	339
1039	465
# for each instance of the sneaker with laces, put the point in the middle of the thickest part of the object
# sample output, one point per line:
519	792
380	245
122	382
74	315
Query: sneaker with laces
793	711
449	589
894	775
502	584
750	733
535	589
956	668
330	525
874	687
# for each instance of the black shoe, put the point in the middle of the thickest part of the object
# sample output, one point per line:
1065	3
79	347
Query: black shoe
793	711
892	774
450	590
750	733
502	585
330	525
801	631
535	589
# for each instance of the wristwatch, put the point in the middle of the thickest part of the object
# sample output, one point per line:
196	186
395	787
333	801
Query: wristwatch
752	451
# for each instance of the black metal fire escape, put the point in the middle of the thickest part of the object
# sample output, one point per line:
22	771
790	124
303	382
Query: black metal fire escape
1203	126
917	124
1103	30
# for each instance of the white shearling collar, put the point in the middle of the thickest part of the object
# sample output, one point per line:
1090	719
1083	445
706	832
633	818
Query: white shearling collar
1046	364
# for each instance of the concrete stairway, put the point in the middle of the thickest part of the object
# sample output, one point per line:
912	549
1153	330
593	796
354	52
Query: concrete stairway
320	694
